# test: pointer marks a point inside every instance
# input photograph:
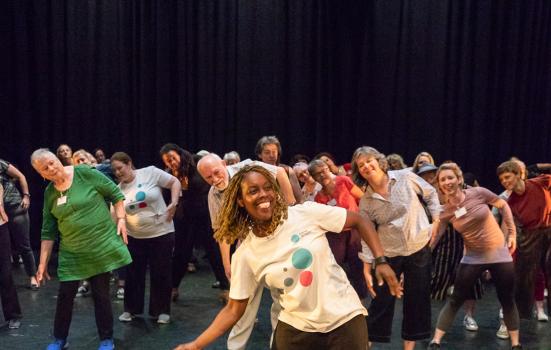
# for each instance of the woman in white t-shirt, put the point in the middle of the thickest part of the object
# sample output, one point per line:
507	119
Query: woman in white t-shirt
150	235
286	249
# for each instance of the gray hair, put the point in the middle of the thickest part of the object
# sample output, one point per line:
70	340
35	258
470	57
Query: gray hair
370	152
316	163
300	166
41	153
233	155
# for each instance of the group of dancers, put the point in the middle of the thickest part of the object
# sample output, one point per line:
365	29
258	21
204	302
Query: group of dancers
334	245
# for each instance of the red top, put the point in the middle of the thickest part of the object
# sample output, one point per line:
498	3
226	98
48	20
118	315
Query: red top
342	196
533	208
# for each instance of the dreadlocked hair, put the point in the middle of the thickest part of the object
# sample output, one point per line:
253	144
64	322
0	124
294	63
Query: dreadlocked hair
235	222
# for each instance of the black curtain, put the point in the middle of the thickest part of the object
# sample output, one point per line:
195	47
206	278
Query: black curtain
464	80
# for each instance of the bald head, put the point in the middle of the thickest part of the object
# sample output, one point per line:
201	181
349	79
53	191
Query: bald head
213	170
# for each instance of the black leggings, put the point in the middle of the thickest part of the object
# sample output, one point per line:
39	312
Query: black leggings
503	275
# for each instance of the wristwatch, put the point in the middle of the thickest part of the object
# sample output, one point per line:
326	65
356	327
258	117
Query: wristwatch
379	261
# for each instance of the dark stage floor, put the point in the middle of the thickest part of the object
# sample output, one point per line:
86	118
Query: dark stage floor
198	305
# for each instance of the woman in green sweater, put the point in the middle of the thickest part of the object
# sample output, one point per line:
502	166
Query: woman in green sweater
75	210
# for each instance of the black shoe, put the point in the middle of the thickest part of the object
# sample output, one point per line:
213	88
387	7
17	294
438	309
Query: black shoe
434	346
517	347
216	284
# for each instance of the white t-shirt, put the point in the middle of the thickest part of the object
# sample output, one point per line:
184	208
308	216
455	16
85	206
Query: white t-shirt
296	260
144	203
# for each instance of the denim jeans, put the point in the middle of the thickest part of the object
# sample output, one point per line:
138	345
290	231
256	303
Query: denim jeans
416	324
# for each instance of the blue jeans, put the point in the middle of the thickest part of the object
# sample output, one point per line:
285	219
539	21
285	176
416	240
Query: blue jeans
416	324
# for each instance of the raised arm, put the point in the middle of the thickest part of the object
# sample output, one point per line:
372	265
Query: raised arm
285	185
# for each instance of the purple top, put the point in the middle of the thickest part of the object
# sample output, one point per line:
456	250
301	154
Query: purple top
484	240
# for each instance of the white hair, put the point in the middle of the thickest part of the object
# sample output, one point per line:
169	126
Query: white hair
41	153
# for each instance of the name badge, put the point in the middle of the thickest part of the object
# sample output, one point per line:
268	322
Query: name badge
460	212
62	200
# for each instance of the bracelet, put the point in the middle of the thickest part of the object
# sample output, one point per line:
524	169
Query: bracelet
379	261
121	219
27	194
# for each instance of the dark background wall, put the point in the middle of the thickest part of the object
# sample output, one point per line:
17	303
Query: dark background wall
464	80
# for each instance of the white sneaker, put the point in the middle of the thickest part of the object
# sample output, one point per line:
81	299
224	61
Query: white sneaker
470	323
163	319
502	332
542	316
126	317
120	293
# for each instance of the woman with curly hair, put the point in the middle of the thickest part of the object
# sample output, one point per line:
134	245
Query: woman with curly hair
285	248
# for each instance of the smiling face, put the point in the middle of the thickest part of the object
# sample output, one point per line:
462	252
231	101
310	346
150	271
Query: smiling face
269	154
448	182
304	176
214	172
257	196
368	166
49	167
322	175
122	171
509	180
172	160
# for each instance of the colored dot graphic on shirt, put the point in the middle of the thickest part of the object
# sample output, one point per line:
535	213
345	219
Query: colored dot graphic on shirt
142	205
306	278
302	258
295	238
139	185
132	207
288	282
284	269
140	196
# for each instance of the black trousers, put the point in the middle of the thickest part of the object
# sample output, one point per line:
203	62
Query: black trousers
350	336
416	323
8	293
19	233
191	231
467	274
155	253
533	251
102	306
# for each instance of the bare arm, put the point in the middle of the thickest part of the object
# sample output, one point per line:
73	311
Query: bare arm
175	188
225	253
121	220
3	214
357	192
508	223
16	174
225	319
369	235
295	185
45	252
285	185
